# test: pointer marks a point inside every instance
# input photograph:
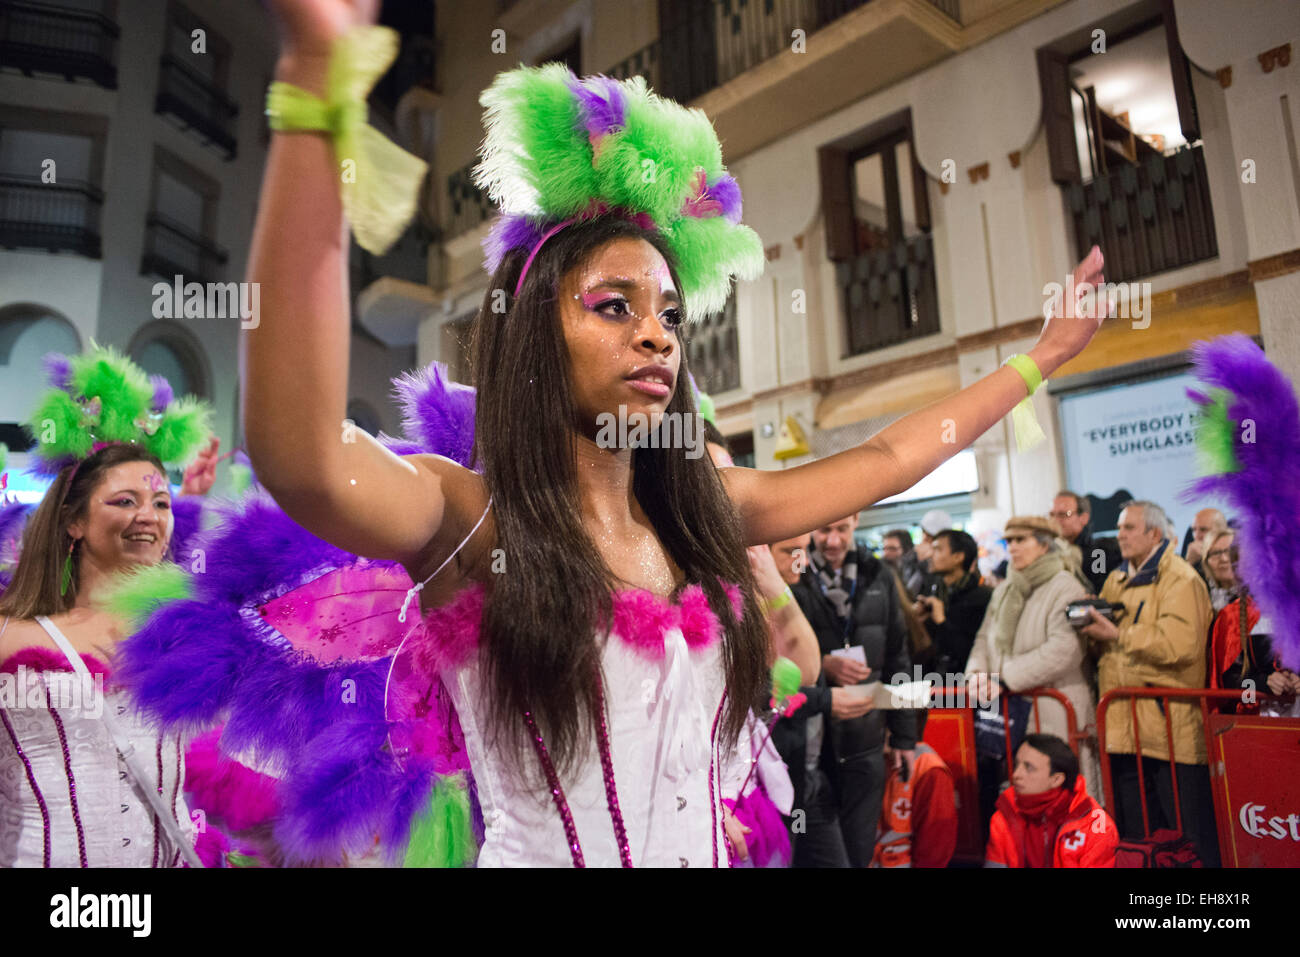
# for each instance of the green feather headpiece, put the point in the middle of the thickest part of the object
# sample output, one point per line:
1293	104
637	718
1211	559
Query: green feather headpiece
103	398
558	148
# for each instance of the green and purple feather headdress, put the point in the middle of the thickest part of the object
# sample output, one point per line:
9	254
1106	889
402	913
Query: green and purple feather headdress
103	398
559	148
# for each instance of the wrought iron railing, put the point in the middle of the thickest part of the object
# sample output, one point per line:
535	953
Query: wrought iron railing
713	351
173	250
467	205
713	42
718	40
54	216
1148	217
889	295
47	38
196	102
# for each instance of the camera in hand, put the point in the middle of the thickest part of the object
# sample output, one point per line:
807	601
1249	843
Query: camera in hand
1079	612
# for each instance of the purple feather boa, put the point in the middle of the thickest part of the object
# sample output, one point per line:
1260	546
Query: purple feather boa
1264	492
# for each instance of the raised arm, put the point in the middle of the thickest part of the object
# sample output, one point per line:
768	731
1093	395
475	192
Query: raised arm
337	482
776	505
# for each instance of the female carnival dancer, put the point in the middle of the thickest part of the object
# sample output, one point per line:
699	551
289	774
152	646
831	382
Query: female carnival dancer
83	781
589	609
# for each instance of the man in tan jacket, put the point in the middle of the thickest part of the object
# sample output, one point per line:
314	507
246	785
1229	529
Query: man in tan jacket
1160	641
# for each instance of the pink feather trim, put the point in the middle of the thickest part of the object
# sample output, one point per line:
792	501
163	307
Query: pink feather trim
223	788
641	618
37	658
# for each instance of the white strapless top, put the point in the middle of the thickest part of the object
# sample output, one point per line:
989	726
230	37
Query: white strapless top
668	772
66	798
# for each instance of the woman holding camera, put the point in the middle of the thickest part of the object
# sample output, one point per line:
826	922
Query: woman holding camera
1027	641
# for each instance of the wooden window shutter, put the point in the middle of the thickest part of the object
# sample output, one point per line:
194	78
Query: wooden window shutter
1058	118
1181	69
920	186
837	203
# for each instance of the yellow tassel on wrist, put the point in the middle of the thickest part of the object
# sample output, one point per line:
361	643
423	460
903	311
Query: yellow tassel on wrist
380	181
1024	423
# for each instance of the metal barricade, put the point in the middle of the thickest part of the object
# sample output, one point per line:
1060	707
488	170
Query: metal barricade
1075	736
1211	727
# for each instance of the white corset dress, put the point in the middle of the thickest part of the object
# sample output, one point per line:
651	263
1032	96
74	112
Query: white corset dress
663	699
66	797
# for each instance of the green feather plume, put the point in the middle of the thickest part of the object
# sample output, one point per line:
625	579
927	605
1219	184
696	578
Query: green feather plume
786	678
1215	435
132	596
241	477
443	836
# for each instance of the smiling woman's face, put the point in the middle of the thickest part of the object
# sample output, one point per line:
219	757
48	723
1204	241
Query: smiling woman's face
620	311
128	520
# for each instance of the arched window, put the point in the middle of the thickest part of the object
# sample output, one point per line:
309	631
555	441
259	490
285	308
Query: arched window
169	350
27	332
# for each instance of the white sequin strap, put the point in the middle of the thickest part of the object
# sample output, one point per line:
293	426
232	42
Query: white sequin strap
419	586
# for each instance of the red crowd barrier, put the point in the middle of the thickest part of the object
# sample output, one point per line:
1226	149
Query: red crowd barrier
1245	753
1253	761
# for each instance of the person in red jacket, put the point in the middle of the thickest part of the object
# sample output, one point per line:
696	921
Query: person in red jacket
1046	818
918	815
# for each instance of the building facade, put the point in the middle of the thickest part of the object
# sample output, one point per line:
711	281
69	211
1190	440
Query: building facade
132	142
919	171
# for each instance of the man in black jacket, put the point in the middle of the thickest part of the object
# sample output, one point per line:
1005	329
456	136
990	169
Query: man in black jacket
851	600
1098	557
955	610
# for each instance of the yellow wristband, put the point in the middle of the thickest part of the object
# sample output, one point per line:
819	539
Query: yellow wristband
779	602
1028	370
1024	424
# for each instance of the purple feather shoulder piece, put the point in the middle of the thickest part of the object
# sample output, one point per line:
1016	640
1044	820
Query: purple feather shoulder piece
290	641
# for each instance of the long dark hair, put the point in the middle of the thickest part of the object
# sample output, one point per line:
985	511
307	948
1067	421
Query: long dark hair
35	588
541	616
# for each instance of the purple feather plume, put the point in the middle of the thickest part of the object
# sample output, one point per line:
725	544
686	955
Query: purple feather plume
437	414
602	107
727	192
510	232
162	393
1264	492
187	518
58	370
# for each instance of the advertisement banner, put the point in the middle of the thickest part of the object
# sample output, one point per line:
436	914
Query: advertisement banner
1132	440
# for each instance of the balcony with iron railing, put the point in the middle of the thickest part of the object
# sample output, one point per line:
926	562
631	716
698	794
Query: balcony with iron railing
1150	217
197	103
64	41
720	39
172	249
889	295
58	217
712	44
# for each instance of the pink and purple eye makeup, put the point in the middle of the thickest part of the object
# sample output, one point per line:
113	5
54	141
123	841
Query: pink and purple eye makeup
609	298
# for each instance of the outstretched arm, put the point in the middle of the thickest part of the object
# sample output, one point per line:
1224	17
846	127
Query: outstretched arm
338	483
776	505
